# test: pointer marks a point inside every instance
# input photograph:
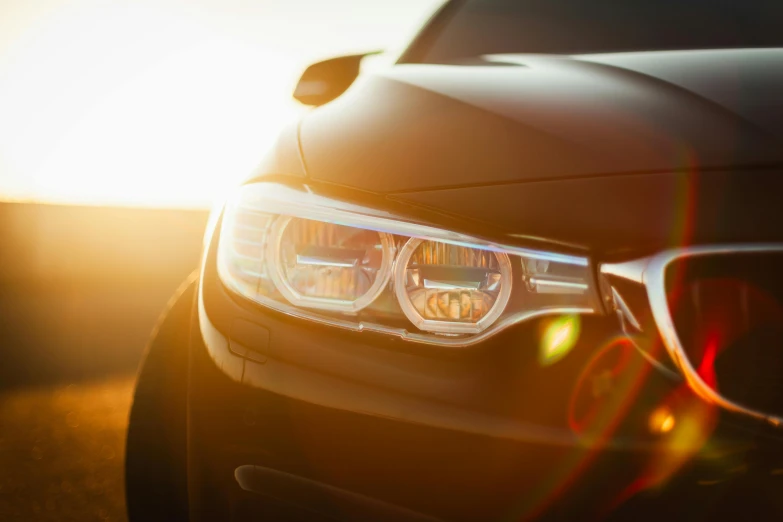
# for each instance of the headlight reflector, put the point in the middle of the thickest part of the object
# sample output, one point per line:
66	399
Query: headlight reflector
328	266
451	288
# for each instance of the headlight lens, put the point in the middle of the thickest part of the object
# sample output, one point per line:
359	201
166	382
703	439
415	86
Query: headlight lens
451	288
360	268
328	266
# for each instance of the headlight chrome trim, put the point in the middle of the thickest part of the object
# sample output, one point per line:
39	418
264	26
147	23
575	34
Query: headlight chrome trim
302	202
654	277
651	273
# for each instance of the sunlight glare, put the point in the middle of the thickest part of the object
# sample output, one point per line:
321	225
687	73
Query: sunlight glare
175	134
558	338
661	420
166	131
161	103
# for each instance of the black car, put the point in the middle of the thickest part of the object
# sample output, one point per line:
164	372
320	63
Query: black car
533	269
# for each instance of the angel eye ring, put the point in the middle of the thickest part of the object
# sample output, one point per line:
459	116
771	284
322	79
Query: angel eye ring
329	266
451	289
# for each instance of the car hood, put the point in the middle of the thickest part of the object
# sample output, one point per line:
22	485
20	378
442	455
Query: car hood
522	118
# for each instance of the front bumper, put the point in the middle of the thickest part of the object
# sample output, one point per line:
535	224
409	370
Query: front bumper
303	423
298	421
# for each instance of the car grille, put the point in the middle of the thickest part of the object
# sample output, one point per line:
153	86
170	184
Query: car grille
727	310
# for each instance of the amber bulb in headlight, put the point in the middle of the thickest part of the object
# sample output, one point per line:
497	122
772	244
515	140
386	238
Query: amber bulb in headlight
329	266
450	288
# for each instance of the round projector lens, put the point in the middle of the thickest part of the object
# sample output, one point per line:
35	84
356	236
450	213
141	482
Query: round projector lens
328	266
453	289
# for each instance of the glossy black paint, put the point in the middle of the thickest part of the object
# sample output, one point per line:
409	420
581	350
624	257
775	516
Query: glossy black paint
320	457
621	214
613	155
324	81
420	127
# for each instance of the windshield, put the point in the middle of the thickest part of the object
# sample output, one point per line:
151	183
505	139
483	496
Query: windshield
471	28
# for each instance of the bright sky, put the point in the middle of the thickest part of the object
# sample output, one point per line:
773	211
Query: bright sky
163	102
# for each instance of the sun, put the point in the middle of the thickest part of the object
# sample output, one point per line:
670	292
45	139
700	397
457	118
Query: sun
164	120
176	133
162	102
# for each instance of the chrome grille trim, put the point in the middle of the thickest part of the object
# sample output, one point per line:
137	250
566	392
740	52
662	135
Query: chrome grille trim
651	272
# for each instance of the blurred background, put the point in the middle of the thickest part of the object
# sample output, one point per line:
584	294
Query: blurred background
121	124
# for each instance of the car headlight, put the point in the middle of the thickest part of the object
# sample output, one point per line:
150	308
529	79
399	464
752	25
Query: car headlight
361	268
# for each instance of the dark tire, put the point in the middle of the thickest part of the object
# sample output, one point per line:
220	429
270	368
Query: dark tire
156	452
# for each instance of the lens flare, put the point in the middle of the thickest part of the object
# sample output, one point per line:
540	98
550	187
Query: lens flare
593	419
688	422
558	339
661	420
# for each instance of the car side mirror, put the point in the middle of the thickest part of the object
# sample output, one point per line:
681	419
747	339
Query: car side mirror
324	81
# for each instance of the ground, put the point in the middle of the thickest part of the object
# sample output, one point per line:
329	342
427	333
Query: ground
61	452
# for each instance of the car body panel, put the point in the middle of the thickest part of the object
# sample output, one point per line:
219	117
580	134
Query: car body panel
745	81
610	155
640	212
420	127
357	419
